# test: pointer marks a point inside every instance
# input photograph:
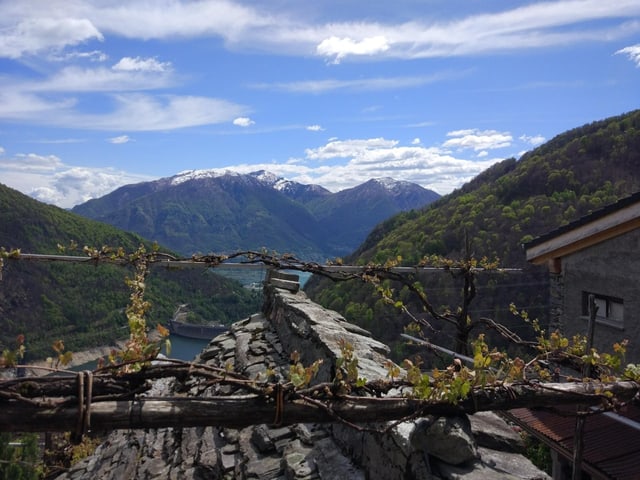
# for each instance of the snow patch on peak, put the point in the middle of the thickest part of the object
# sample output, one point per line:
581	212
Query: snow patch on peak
188	175
265	176
271	179
391	184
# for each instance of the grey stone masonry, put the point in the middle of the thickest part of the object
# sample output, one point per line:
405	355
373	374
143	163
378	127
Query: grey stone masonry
290	321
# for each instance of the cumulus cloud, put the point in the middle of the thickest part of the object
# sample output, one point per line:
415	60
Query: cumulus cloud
48	179
341	164
120	139
534	140
339	48
74	185
315	128
356	148
138	64
415	141
243	122
478	139
633	52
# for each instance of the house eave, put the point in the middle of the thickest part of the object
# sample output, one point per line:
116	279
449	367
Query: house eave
585	235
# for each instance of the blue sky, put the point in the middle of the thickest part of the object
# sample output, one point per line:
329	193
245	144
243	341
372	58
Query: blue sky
98	94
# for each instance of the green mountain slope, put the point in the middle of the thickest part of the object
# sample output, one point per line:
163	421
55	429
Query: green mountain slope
568	177
509	204
81	304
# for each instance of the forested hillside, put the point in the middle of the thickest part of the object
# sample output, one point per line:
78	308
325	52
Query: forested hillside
84	304
509	204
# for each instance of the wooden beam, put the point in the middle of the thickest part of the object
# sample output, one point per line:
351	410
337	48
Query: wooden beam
242	411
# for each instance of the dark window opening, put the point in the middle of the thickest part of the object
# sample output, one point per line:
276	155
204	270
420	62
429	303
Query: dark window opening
610	309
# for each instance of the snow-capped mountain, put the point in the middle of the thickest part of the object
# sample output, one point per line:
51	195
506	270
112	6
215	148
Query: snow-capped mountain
222	211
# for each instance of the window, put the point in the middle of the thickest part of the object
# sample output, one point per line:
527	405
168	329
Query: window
610	309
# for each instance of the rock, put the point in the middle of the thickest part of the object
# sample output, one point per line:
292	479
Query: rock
326	457
516	464
447	438
493	466
492	431
295	462
260	438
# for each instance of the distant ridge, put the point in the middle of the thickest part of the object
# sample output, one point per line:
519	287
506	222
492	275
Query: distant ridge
221	211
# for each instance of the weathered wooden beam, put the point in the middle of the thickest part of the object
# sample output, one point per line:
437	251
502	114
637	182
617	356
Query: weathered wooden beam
242	411
254	265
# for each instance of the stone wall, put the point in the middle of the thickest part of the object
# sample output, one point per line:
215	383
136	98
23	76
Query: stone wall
482	446
604	269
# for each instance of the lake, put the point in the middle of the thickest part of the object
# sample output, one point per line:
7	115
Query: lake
183	348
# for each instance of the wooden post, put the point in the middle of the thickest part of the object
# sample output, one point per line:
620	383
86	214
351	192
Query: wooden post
578	439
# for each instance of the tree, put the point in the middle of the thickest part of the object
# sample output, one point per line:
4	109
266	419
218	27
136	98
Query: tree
19	457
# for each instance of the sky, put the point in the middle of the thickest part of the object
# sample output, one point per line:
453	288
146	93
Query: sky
96	94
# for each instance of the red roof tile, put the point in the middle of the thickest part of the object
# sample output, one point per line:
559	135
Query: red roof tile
611	441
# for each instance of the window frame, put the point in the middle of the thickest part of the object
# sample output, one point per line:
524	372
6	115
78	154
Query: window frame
611	303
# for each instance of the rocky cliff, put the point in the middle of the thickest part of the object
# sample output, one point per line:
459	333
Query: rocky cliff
481	446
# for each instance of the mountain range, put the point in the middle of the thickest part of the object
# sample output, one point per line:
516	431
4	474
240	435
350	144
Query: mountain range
203	211
509	204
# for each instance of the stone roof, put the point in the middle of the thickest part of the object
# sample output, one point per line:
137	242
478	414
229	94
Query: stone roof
480	447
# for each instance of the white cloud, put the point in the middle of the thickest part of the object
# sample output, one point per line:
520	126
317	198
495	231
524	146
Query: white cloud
48	179
78	79
315	128
36	33
18	105
339	48
633	52
374	158
138	64
360	84
31	162
133	112
349	148
74	185
415	141
534	140
478	139
1	151
243	122
120	139
35	26
93	56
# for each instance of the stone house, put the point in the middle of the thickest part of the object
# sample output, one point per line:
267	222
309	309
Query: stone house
598	254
